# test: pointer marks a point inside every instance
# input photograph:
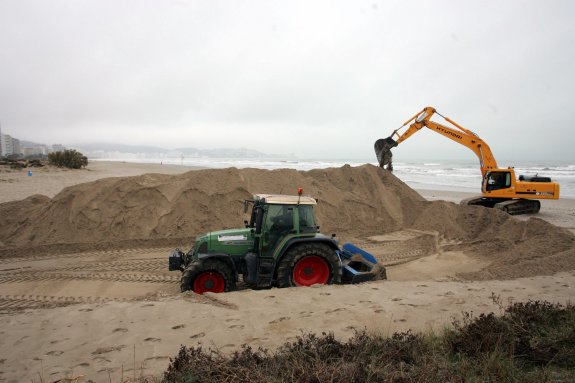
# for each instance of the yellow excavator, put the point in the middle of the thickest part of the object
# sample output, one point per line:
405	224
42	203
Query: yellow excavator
499	188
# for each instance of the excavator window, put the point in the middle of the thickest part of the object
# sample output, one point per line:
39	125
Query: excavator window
498	180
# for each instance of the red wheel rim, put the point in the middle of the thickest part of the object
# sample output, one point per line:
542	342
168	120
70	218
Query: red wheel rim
311	270
209	281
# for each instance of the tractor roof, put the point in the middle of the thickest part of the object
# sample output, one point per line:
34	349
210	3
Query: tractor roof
285	199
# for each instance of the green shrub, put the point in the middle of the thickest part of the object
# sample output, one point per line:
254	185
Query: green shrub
68	159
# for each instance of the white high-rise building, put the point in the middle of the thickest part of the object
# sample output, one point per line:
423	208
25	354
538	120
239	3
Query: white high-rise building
7	145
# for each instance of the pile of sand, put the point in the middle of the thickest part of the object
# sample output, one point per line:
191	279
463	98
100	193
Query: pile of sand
353	202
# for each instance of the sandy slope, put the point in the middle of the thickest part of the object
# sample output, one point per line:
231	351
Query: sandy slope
86	312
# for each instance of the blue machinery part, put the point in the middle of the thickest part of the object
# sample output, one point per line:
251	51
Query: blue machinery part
359	265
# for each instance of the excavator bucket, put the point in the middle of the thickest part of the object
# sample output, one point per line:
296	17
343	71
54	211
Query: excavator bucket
383	151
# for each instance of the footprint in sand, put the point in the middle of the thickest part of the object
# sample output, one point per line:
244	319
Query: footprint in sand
238	326
378	311
179	326
400	320
198	335
120	329
422	286
105	350
324	293
335	310
20	340
396	299
279	320
86	310
270	297
161	357
152	340
54	353
83	365
101	359
232	320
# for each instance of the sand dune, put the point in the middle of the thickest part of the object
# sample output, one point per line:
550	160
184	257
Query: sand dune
355	203
84	283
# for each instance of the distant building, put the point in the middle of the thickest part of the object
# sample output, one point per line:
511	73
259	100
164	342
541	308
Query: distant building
35	150
16	146
7	145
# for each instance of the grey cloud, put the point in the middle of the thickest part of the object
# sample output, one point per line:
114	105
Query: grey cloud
312	78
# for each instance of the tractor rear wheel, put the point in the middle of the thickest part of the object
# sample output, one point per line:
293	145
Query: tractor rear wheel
208	276
309	264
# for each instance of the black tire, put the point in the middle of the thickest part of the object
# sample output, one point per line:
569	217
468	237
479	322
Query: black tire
212	269
285	272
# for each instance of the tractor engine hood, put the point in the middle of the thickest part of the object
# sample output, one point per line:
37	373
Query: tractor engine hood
231	237
233	242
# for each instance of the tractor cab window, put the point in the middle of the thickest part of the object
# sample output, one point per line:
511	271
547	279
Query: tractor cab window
278	222
279	218
498	180
306	219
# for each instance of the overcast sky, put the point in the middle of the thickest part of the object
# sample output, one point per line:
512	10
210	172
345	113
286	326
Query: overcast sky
312	78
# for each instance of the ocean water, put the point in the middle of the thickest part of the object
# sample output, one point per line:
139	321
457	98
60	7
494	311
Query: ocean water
448	175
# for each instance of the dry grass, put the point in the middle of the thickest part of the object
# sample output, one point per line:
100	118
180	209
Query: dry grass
529	342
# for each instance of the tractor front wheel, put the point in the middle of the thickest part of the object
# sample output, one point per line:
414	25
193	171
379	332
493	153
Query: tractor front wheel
208	276
309	264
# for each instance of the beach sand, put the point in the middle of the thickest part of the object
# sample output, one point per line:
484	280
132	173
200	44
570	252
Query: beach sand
117	312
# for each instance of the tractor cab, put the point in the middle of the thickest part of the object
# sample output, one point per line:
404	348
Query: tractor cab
275	217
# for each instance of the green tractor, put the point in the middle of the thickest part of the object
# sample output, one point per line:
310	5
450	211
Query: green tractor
279	246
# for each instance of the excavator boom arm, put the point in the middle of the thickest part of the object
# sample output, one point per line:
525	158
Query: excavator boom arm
457	133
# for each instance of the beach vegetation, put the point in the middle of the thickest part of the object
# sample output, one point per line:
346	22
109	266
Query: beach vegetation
528	342
71	159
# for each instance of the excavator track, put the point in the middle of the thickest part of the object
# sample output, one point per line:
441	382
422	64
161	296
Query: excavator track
510	206
519	206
